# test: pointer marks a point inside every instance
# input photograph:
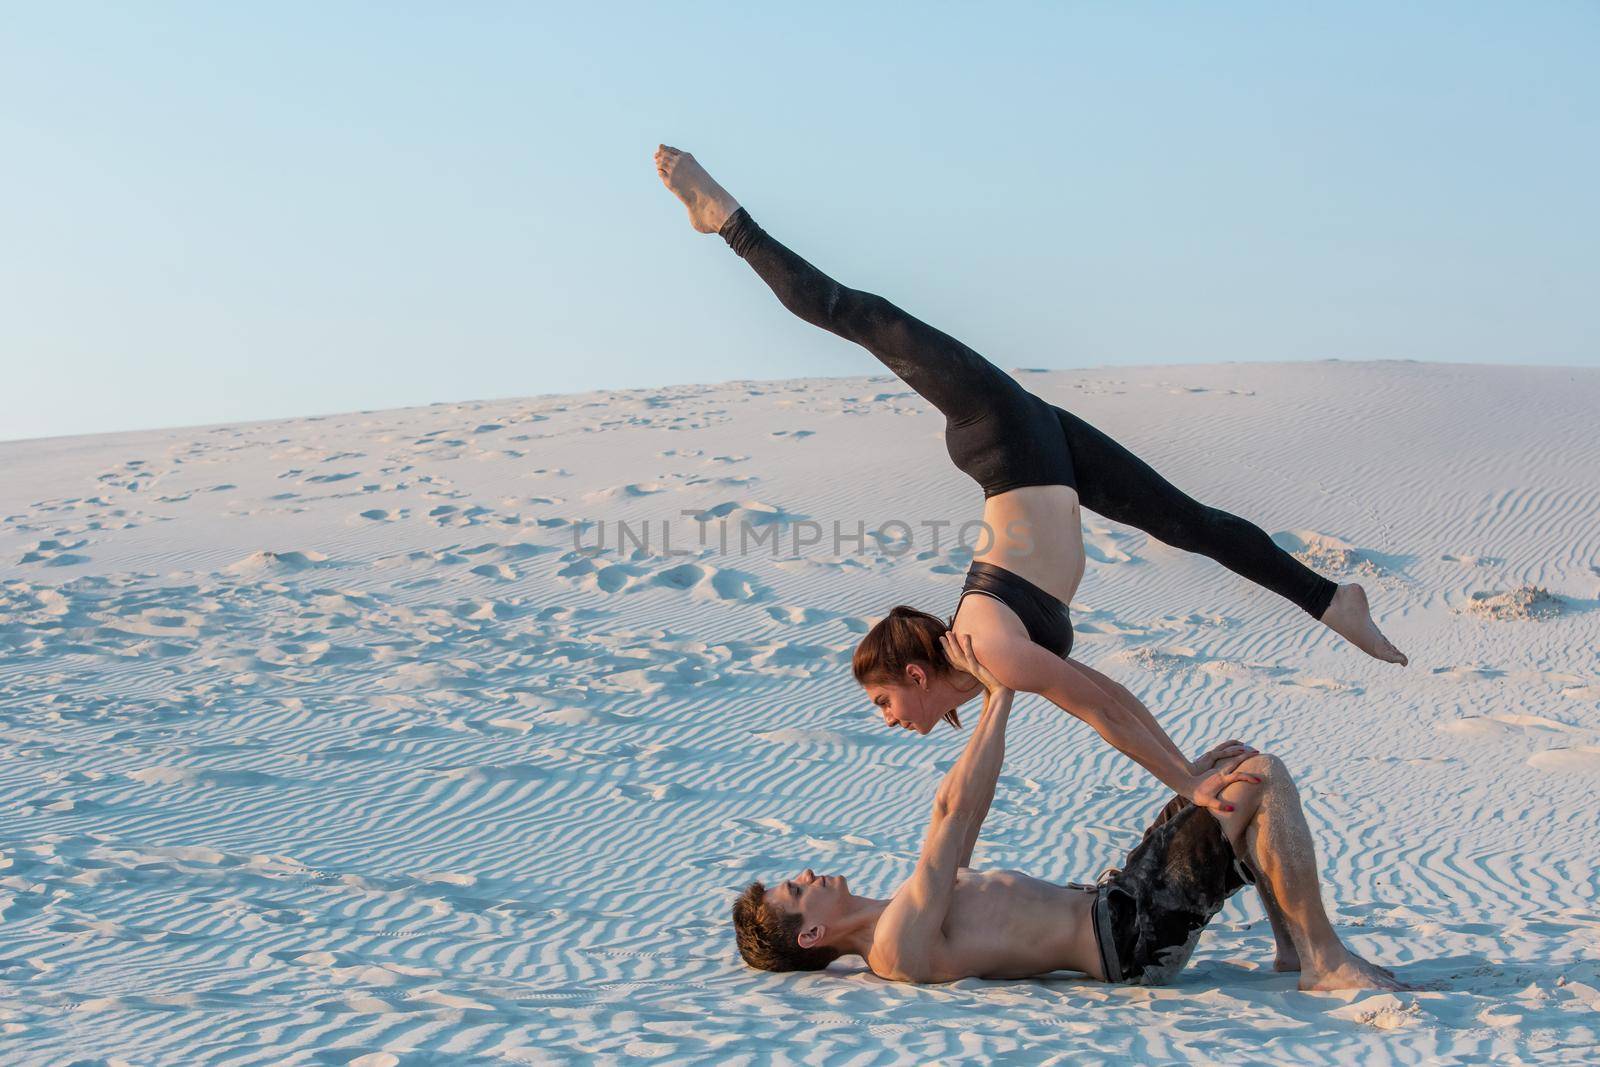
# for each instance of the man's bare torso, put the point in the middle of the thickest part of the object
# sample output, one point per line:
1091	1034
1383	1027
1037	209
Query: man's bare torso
1004	924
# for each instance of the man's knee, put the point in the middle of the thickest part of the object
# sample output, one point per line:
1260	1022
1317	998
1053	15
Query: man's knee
1248	797
1277	786
1267	767
1275	777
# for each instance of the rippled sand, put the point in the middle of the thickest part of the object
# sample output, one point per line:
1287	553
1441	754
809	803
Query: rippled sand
331	741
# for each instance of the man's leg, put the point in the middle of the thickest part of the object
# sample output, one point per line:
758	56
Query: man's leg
1268	830
1288	958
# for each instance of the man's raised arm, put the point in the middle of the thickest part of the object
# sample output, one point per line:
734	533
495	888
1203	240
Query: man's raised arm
909	944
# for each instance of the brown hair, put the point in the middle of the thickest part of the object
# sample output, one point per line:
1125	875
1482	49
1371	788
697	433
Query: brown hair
769	937
904	637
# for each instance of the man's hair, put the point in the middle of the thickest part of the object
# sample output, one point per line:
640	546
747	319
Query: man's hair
904	637
769	937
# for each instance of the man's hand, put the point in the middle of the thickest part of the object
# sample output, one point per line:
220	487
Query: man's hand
958	650
1208	785
1224	750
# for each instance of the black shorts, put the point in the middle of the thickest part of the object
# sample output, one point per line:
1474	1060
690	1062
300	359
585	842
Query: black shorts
1148	916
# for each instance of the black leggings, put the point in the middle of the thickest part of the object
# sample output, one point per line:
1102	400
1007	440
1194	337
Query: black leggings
1005	438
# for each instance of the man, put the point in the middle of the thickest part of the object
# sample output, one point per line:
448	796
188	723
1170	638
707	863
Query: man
1140	924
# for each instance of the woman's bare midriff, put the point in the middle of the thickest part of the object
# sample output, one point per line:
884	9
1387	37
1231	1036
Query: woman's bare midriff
1036	533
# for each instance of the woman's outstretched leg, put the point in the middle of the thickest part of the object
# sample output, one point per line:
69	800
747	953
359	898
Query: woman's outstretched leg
1005	436
1119	485
949	375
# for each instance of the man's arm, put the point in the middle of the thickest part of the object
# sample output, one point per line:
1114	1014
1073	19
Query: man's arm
984	797
910	937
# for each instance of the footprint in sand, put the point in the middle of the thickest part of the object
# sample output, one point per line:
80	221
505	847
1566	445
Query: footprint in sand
1504	725
1333	555
752	513
1170	660
451	515
156	622
1469	674
1527	603
1582	760
54	553
1326	685
648	791
269	562
797	616
724	483
23	606
1101	544
631	491
585	573
131	476
765	826
511	552
712	582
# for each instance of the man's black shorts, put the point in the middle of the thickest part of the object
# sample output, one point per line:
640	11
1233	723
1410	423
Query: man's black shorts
1149	915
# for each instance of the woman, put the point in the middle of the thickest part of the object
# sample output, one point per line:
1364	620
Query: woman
1036	465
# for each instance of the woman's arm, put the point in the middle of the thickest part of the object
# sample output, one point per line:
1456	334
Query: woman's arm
1118	692
1025	666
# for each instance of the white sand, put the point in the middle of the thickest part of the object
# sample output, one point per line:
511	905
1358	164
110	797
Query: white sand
321	744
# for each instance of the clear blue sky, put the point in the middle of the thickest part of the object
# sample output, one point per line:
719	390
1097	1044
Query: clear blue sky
217	212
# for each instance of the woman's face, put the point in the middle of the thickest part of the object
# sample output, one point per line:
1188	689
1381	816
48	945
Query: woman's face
918	705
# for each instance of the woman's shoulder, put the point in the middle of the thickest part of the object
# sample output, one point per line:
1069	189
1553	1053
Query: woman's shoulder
987	618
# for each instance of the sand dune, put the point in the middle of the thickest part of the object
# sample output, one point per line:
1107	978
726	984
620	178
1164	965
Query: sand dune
447	735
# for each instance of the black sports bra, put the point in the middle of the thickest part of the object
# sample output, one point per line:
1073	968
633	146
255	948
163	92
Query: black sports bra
1047	619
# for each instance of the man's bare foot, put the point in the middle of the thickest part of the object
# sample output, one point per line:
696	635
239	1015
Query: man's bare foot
1353	973
1350	618
709	203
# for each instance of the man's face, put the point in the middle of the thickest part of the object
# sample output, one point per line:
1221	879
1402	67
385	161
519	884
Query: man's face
819	899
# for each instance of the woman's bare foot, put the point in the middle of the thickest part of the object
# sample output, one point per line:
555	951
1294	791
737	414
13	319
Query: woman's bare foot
1353	973
1350	618
709	203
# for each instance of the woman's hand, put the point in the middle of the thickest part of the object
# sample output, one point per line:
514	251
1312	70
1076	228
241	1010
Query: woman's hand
958	650
1223	751
1209	784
